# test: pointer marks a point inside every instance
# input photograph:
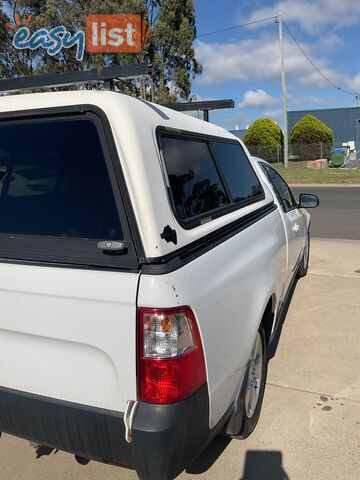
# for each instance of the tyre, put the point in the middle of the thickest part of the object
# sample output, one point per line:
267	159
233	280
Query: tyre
254	387
304	265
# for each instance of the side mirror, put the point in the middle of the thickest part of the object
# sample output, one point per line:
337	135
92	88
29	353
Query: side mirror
306	200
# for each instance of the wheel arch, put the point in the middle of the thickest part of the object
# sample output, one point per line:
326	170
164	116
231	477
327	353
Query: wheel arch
234	426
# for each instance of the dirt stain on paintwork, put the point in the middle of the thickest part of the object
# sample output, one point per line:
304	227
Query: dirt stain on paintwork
173	289
176	294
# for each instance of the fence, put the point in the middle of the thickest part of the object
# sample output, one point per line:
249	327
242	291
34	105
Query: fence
297	152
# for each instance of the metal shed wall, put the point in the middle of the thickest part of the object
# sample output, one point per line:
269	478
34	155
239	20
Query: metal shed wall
344	122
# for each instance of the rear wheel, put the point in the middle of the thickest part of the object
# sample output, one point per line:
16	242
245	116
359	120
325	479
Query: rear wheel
304	265
254	387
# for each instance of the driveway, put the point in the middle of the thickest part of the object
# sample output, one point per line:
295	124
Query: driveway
310	423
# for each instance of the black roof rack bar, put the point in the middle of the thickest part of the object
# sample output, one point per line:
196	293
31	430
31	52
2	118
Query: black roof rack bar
108	74
202	105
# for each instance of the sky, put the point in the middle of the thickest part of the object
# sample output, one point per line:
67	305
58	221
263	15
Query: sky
244	63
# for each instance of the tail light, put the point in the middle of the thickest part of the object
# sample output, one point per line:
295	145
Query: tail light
171	364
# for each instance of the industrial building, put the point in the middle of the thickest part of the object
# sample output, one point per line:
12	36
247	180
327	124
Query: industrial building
344	122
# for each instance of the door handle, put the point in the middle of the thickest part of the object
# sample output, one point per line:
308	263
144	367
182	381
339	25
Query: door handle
295	227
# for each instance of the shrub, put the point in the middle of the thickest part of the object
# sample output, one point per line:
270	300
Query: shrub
311	130
263	132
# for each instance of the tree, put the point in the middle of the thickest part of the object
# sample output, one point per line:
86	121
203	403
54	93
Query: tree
310	130
169	49
306	138
263	139
263	132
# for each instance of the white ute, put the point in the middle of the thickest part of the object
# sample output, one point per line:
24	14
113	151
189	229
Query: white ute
144	261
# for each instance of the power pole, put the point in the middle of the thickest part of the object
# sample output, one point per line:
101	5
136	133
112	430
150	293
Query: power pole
284	96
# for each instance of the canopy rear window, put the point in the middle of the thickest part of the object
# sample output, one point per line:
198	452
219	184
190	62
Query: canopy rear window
56	192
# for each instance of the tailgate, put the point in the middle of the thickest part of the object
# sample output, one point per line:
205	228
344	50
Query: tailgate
69	334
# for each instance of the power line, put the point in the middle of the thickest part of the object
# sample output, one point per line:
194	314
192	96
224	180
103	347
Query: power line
237	26
327	79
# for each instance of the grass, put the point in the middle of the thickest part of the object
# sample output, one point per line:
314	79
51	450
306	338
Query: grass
298	173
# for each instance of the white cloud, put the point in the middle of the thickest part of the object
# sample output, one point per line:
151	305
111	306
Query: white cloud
311	15
258	60
258	99
308	100
329	42
236	61
236	119
355	83
276	115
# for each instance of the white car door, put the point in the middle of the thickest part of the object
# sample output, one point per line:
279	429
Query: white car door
295	224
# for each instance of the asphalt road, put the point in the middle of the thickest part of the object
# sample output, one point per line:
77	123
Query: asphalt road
338	215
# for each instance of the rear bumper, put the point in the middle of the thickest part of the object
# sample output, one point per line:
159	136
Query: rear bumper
165	438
